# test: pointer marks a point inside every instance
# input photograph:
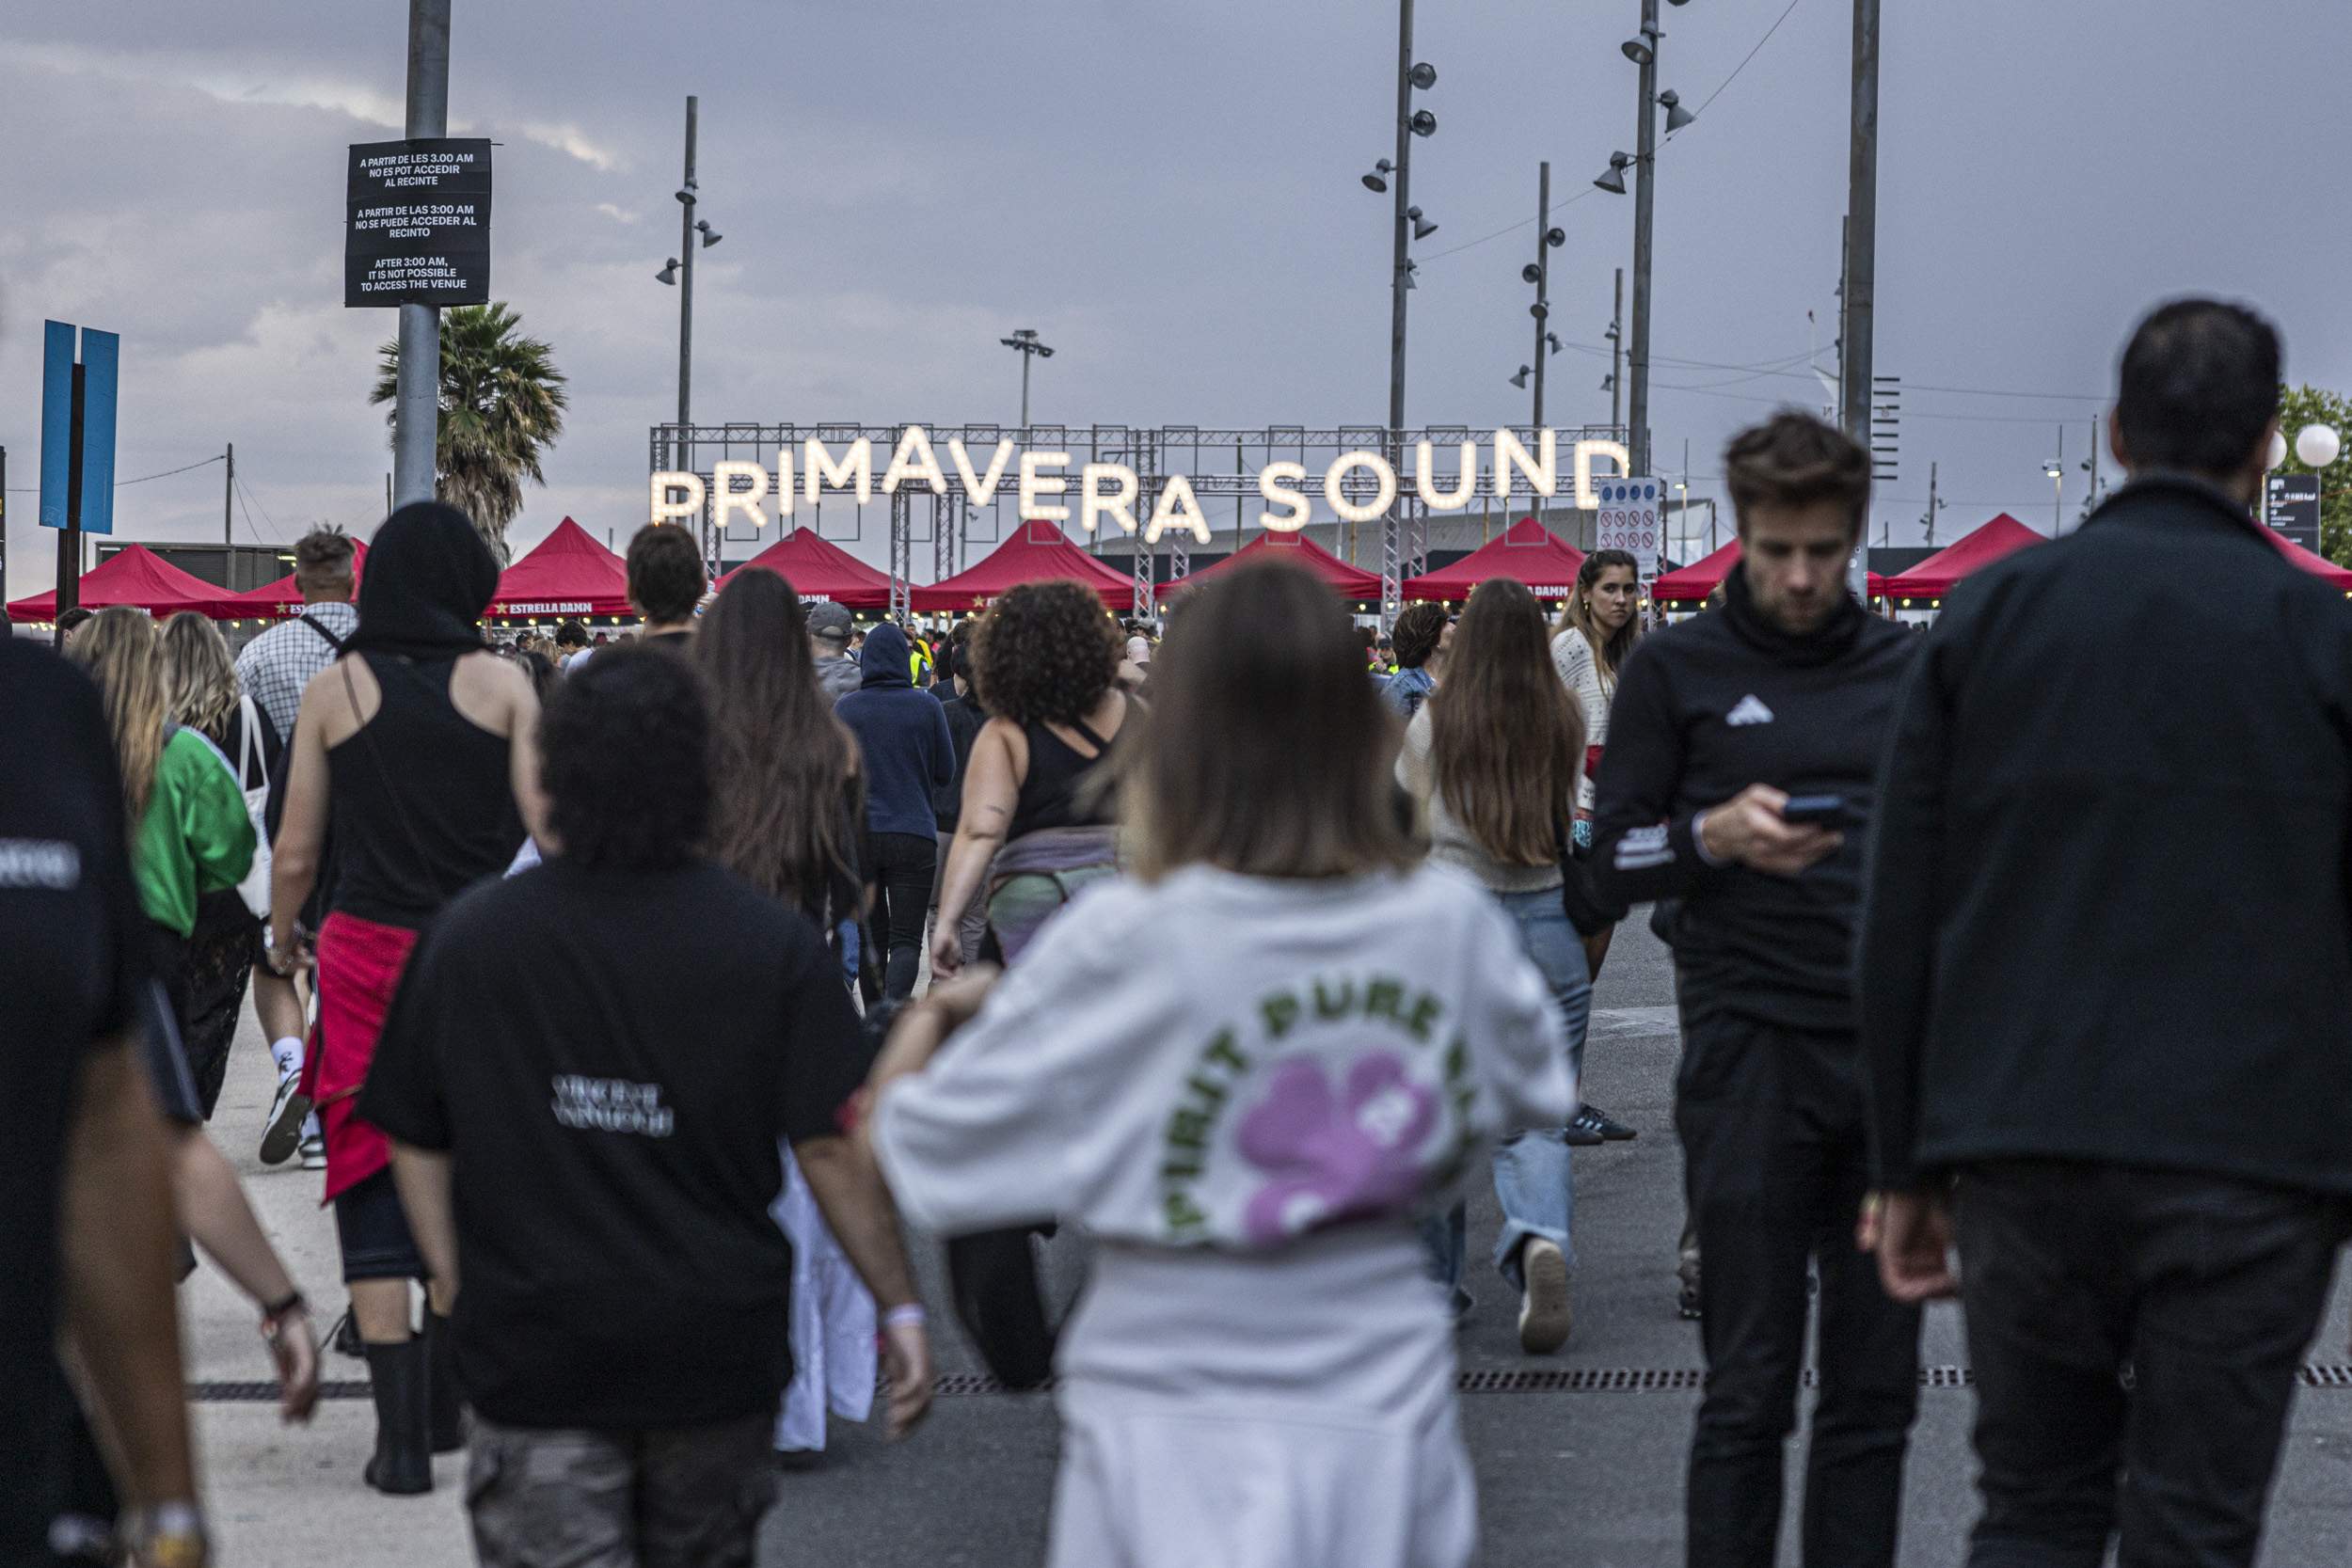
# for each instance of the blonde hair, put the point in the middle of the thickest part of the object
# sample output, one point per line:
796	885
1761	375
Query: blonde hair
119	649
200	688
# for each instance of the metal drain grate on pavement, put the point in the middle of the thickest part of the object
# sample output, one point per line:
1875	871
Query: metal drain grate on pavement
1533	1379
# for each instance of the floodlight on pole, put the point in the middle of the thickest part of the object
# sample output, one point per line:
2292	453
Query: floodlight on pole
710	236
1025	341
1612	179
1424	75
668	273
1643	49
1521	380
1377	180
1423	228
1424	123
1677	116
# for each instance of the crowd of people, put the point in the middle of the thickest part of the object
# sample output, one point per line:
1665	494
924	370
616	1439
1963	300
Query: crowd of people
630	995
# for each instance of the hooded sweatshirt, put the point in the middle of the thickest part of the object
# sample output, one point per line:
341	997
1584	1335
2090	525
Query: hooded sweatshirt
903	737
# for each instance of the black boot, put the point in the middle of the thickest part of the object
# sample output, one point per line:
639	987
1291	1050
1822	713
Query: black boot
447	1414
403	1465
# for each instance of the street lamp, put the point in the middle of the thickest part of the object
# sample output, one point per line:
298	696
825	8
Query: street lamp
1025	343
2056	470
1642	52
1613	177
1521	380
1405	227
2319	446
678	273
1377	180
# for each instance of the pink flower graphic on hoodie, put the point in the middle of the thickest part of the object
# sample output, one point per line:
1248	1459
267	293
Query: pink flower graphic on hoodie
1333	1156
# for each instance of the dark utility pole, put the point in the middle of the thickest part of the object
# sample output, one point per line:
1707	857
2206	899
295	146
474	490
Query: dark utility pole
417	396
1398	274
1644	204
686	281
1543	283
69	536
1862	216
228	500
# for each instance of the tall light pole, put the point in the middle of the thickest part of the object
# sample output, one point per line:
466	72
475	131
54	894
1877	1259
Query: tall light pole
1025	341
417	384
1407	225
1642	52
2056	470
1542	308
679	273
1617	354
1862	219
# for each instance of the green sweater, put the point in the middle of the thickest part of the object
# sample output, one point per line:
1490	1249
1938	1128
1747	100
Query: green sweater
196	838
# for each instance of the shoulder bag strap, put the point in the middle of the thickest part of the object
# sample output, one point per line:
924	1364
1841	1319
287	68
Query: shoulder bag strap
332	640
249	758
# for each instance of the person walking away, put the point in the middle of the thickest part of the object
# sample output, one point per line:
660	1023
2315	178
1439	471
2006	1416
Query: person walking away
193	837
837	674
587	1071
1492	765
2092	1058
1787	694
666	580
906	752
87	1229
786	805
274	669
201	694
419	739
1259	1372
571	641
1418	630
1036	823
965	717
1597	629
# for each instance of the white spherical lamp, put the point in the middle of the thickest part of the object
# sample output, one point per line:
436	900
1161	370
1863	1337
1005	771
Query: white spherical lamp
2318	445
2278	453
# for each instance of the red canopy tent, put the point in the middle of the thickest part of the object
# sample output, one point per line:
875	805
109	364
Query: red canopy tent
820	570
1353	583
1527	550
1694	582
2318	566
276	600
1936	576
1035	552
133	576
567	573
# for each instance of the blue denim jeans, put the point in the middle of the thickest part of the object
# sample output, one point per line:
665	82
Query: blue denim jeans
1531	1177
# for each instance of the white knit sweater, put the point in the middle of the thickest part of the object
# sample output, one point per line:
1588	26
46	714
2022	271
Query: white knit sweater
1572	656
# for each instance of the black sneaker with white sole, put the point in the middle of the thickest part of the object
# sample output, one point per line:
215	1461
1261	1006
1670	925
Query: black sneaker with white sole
1593	1125
282	1135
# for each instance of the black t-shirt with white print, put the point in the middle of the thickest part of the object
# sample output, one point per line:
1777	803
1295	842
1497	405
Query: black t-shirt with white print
73	977
611	1059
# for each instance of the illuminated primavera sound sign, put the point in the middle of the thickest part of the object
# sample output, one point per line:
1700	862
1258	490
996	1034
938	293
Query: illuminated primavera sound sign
1358	486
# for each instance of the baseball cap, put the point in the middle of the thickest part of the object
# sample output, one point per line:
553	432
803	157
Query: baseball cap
829	621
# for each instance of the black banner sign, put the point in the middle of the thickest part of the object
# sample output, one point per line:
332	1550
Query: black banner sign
2294	509
418	223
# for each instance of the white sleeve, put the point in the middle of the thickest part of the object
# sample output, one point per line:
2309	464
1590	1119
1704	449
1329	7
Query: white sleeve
1012	1122
1516	1030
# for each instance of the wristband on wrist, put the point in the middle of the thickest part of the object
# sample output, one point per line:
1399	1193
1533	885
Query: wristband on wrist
909	1316
278	1311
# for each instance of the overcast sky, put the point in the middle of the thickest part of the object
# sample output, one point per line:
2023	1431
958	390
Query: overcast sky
1169	193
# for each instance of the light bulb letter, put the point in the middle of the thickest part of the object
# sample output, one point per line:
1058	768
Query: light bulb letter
1425	477
1118	502
1035	483
745	500
854	472
1277	482
914	459
666	510
1542	470
1177	507
1335	486
980	489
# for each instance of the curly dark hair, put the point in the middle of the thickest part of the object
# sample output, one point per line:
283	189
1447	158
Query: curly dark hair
625	758
1045	651
665	573
1417	631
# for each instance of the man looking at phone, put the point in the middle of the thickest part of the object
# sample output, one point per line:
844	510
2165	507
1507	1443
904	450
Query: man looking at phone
1738	779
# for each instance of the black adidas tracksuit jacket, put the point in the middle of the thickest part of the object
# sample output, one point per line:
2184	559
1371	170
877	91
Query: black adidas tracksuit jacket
1705	709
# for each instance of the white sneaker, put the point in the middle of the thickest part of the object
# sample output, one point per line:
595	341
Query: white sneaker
1544	1309
314	1152
281	1133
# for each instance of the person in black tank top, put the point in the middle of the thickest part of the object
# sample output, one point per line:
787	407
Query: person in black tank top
1060	790
423	801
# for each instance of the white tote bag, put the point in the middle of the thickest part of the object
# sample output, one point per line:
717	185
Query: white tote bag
254	890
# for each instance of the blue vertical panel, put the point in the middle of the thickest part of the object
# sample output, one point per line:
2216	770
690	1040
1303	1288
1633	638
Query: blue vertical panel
101	352
57	418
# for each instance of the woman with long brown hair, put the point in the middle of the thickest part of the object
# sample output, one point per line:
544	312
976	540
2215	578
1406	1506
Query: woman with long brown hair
786	794
201	693
786	800
1243	1068
1493	760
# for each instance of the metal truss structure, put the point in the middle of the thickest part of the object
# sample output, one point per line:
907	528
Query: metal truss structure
953	525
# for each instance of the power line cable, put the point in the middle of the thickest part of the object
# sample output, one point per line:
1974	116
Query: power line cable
32	489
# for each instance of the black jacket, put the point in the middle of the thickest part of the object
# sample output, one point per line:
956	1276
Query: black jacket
901	736
1705	709
2107	915
964	720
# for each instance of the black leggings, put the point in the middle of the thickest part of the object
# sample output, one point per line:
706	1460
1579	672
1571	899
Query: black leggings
902	867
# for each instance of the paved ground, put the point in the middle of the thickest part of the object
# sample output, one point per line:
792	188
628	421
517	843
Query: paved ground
1586	1477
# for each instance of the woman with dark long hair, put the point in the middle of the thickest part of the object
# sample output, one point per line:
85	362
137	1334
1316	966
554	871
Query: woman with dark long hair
1493	760
786	794
1248	1120
786	802
419	739
1036	824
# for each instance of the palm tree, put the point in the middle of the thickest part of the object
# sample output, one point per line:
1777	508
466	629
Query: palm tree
502	403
